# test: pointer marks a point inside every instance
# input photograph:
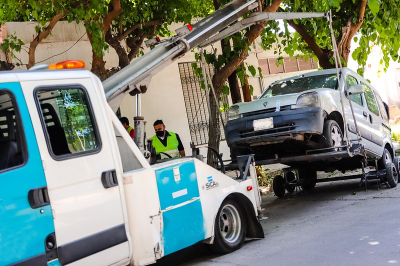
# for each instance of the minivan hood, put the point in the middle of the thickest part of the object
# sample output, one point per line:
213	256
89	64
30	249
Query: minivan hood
272	102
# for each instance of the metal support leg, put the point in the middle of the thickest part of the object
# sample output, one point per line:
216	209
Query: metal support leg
378	181
364	176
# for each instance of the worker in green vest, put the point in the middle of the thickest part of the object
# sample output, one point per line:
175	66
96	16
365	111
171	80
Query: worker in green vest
166	143
125	122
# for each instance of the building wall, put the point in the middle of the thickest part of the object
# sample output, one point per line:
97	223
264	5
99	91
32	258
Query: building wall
61	45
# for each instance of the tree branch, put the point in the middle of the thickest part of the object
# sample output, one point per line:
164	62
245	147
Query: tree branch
349	31
39	38
115	12
136	26
137	43
307	38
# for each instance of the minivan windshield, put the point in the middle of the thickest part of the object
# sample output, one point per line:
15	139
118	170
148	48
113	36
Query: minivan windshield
301	84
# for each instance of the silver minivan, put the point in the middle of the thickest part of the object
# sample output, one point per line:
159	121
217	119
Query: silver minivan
303	113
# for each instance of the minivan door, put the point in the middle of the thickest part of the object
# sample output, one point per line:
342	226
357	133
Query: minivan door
80	171
26	220
361	115
374	121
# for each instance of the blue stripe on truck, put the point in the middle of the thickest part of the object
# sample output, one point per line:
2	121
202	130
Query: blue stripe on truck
183	226
22	229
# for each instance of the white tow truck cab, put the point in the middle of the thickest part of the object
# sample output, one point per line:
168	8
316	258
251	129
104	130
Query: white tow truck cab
76	190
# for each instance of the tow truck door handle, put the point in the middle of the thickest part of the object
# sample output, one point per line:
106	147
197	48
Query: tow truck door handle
38	197
109	179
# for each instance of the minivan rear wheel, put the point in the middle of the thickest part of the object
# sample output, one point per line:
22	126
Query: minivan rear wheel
332	135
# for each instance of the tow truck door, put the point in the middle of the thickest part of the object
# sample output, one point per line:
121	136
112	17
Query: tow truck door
25	223
74	140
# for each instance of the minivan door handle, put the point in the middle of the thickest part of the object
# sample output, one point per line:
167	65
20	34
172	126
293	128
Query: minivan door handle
365	114
38	197
109	179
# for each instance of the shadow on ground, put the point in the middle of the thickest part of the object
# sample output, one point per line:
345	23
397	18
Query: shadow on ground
279	211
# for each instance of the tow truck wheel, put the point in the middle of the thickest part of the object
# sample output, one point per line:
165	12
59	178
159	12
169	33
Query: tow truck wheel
230	228
332	135
279	186
308	177
290	176
392	176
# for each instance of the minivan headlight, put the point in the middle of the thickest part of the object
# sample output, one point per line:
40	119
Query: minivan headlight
233	113
309	99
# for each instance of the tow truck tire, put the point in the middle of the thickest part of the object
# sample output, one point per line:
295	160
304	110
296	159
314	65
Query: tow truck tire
308	178
396	163
230	227
290	176
385	159
278	184
392	176
332	135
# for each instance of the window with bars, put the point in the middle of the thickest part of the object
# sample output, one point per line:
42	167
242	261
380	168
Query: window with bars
196	104
290	64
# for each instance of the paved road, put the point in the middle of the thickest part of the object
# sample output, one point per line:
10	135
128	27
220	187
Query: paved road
338	223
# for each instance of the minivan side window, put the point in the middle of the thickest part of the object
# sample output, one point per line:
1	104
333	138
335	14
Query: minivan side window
12	139
382	108
68	121
350	80
370	98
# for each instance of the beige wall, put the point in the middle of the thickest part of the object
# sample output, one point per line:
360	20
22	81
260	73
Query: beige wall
60	46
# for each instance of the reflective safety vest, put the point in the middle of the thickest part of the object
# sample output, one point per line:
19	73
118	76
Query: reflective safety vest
129	129
171	149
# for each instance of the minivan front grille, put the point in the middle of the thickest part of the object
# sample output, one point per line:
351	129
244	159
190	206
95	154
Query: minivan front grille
276	129
266	111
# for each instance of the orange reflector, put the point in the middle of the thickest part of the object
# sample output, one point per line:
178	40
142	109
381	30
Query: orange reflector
69	64
189	27
249	188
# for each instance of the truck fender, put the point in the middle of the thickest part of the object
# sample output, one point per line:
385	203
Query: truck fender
254	228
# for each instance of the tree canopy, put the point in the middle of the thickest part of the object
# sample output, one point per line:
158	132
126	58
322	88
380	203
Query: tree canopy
372	22
107	23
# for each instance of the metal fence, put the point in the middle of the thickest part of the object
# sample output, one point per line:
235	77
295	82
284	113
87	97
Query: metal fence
196	104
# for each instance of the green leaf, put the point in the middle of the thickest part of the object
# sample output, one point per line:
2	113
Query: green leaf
225	89
252	70
373	6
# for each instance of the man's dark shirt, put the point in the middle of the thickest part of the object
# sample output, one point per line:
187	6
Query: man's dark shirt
164	141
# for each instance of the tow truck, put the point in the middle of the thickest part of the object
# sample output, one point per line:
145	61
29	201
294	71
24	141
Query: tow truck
76	190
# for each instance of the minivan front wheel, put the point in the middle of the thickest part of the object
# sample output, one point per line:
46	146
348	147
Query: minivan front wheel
332	135
385	159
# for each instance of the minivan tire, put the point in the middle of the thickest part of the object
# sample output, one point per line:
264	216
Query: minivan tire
332	135
386	158
392	176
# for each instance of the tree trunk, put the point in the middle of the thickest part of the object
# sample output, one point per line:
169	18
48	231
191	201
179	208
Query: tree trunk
221	76
113	41
98	63
233	81
234	88
246	89
214	133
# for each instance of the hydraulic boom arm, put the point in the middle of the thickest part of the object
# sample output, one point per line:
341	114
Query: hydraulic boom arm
139	72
